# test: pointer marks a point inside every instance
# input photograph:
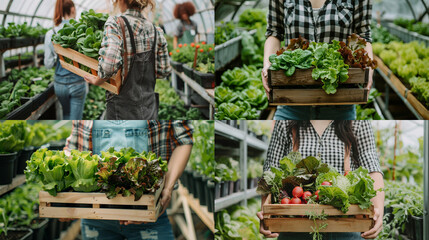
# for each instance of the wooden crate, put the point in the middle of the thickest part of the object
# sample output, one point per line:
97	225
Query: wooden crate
286	90
404	91
274	218
114	84
96	206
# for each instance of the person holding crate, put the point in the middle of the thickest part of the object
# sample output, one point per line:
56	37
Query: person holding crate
330	141
317	21
170	140
146	59
70	88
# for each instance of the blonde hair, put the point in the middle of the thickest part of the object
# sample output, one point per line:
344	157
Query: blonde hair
138	4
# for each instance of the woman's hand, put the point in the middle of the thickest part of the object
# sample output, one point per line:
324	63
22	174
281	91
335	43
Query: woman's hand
165	199
130	222
262	230
264	75
94	80
378	226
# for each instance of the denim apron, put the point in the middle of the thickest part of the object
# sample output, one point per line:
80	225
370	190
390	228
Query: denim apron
122	134
137	99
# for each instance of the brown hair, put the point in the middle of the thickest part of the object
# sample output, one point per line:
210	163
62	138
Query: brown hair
187	8
138	4
62	8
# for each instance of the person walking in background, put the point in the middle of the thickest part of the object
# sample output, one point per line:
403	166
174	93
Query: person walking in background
147	59
187	29
70	89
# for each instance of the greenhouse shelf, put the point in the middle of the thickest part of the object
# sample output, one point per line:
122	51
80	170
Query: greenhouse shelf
234	133
406	35
414	105
234	198
17	181
198	89
226	52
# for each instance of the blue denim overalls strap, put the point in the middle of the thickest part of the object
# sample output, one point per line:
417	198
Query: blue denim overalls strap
120	134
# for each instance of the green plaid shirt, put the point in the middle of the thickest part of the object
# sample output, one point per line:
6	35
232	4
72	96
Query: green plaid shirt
164	136
111	52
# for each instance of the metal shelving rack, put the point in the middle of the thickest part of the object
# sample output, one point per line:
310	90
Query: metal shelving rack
232	138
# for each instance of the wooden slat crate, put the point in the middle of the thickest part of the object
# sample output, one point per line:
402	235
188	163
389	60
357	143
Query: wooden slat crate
287	218
404	91
80	59
97	206
286	90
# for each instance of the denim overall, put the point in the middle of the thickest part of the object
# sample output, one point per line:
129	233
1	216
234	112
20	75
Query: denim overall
137	99
121	134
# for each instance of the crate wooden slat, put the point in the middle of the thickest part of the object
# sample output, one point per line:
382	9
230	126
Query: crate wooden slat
404	91
288	91
80	59
96	210
285	217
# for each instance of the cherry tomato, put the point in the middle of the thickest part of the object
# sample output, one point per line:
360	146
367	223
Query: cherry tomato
306	195
285	201
295	200
317	194
346	173
326	183
297	192
198	46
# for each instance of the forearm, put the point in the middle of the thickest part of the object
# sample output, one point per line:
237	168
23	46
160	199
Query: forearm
368	49
378	200
176	165
272	45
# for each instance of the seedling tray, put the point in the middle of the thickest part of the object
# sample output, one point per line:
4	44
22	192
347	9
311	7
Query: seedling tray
4	43
177	65
98	206
287	218
21	42
206	80
80	59
189	71
300	89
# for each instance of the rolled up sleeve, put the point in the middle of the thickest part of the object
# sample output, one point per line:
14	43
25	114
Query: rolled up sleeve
111	51
50	56
163	67
362	19
275	20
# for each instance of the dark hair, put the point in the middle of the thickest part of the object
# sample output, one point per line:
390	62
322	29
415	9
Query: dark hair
62	8
343	130
187	8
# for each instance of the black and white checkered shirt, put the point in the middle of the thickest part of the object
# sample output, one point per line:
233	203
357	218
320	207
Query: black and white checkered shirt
329	147
336	20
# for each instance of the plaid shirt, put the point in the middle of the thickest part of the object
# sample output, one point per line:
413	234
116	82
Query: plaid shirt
164	136
336	20
329	147
111	52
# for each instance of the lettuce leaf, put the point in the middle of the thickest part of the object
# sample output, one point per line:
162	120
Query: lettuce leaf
361	190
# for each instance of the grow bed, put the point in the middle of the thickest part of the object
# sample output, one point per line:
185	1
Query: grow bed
287	218
301	89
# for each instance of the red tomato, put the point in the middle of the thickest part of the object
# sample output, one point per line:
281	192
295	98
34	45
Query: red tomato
192	44
295	200
306	195
171	53
297	192
198	46
326	183
204	43
285	201
201	50
317	194
346	173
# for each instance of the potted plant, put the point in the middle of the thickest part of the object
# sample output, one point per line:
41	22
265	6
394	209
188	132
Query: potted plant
8	233
188	70
211	185
11	141
204	75
23	157
418	227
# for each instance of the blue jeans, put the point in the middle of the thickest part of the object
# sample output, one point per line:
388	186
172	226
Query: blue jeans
326	236
72	98
112	230
337	112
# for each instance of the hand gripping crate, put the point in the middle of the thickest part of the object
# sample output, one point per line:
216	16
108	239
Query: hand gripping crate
293	218
301	90
80	59
98	206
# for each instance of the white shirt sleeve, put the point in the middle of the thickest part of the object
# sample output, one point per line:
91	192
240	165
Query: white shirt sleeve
50	55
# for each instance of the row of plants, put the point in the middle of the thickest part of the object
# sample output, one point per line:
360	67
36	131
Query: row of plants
18	141
95	103
21	35
413	25
22	59
171	106
409	62
21	85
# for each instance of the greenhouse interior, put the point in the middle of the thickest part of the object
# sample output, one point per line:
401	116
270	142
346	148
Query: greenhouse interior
241	148
400	42
29	210
27	86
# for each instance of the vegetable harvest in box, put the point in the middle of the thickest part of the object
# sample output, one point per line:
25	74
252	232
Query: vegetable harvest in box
300	181
124	172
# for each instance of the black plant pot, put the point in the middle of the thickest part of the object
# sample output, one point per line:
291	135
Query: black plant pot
191	182
39	229
20	42
4	43
211	185
7	165
51	229
183	179
177	65
206	80
206	191
57	145
217	190
388	210
18	234
22	160
188	71
196	190
200	189
409	228
15	164
418	227
237	185
251	183
225	189
231	187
